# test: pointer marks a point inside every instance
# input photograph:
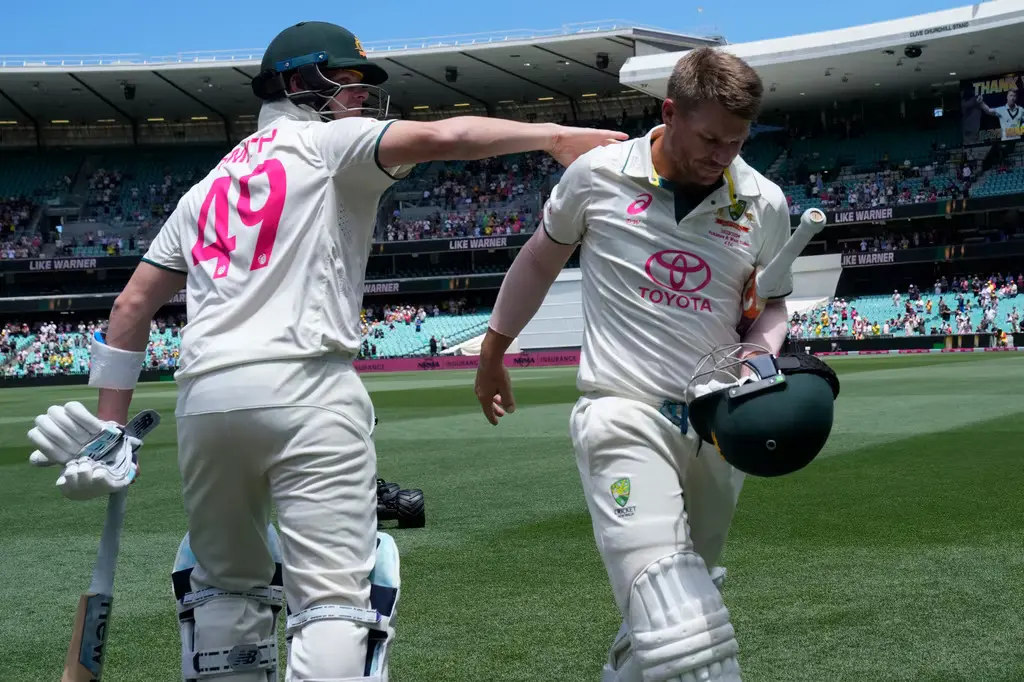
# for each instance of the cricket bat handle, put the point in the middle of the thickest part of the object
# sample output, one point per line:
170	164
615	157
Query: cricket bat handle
768	280
87	648
767	283
84	661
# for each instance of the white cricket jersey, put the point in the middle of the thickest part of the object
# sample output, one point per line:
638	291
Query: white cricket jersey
1010	122
659	293
275	242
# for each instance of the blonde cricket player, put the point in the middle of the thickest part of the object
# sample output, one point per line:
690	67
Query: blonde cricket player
272	248
1010	115
672	227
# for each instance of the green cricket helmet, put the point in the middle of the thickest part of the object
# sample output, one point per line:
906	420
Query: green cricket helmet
772	423
308	48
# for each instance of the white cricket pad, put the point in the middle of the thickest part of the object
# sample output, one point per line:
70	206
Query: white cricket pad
200	664
113	367
385	587
680	626
621	665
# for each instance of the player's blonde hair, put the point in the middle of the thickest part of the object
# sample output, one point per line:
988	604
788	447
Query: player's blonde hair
707	74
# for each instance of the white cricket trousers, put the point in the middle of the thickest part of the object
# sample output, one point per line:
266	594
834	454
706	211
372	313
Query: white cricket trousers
296	435
681	494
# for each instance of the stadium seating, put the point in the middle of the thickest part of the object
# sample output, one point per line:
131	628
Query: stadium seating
881	309
999	183
402	339
148	180
49	354
37	175
135	188
864	153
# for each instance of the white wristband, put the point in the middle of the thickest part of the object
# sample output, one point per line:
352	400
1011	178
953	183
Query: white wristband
112	367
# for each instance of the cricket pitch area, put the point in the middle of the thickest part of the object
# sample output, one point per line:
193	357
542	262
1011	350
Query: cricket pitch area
896	555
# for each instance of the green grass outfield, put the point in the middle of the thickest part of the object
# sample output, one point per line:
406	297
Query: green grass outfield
897	555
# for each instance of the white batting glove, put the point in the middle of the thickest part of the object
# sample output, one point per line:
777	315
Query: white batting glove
99	458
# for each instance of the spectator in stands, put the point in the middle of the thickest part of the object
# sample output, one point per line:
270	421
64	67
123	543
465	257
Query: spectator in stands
47	348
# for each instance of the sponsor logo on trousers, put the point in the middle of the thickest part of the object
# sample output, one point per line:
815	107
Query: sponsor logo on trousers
674	300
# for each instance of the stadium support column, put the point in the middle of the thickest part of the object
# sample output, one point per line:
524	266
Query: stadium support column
575	111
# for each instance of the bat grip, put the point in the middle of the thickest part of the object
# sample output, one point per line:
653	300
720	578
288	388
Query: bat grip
110	543
780	266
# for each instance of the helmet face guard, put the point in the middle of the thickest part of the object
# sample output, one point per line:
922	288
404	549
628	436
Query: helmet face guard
320	90
771	423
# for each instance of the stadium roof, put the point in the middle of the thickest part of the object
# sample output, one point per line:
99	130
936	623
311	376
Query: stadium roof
517	66
920	53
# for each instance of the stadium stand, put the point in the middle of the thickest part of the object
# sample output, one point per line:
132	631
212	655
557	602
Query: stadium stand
133	191
49	348
396	331
124	195
966	305
970	304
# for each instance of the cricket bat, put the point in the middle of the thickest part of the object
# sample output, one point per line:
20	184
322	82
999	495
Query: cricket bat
765	283
84	661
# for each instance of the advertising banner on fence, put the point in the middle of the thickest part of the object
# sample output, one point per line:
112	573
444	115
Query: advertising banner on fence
566	358
508	241
428	284
917	351
881	214
866	258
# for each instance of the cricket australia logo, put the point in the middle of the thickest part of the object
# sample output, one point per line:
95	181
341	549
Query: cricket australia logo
620	493
737	209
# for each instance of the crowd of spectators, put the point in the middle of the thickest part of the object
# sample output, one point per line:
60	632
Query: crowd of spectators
119	197
964	305
43	348
891	241
885	188
375	322
479	198
51	347
112	245
15	214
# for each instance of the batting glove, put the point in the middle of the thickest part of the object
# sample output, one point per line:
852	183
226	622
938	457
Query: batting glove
98	457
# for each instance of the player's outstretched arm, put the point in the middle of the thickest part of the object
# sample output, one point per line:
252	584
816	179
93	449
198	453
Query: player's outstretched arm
123	349
467	138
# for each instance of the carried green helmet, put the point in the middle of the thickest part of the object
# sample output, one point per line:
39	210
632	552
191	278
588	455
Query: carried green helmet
772	423
308	48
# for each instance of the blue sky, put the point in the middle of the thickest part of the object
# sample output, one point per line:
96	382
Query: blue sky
65	27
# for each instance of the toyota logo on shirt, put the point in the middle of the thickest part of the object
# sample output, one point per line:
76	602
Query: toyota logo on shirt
680	271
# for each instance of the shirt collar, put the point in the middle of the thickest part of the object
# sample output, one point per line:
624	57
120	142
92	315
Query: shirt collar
284	108
738	177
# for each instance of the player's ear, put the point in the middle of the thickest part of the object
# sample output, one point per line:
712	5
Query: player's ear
295	82
668	110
